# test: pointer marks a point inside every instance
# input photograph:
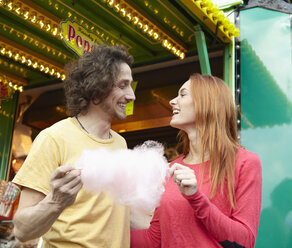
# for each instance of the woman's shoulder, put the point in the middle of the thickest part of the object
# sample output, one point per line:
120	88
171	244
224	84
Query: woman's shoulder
247	159
244	154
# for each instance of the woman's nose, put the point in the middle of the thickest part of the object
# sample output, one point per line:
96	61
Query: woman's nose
172	101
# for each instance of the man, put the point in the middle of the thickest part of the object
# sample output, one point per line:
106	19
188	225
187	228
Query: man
53	203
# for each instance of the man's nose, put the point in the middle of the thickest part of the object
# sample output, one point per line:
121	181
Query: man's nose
131	95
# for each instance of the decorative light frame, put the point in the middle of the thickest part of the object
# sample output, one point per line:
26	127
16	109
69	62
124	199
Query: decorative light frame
31	61
147	26
12	83
209	14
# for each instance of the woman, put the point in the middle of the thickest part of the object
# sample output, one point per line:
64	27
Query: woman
213	198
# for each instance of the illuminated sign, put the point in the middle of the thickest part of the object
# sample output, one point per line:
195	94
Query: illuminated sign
78	38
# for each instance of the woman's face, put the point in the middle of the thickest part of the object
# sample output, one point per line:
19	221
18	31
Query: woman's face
183	108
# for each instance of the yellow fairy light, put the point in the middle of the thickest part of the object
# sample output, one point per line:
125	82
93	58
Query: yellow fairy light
165	43
41	24
3	50
129	17
52	71
26	15
35	65
55	31
33	20
20	88
182	56
48	27
58	74
10	6
236	32
9	54
10	84
29	62
18	11
169	46
136	19
15	87
117	7
63	77
16	56
111	3
42	67
23	59
123	12
140	25
145	28
47	69
156	36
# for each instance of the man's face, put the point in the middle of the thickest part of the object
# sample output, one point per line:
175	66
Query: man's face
122	93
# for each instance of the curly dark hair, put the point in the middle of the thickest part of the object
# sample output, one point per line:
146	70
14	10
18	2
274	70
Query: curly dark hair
92	77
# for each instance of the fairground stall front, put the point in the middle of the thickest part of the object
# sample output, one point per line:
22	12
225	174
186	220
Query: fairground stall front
169	40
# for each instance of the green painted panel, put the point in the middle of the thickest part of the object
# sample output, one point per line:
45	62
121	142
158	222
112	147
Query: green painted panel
266	107
7	119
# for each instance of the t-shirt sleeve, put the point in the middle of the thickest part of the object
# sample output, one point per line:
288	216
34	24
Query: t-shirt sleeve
239	229
41	162
147	238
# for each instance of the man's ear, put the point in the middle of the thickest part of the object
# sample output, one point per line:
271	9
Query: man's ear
96	101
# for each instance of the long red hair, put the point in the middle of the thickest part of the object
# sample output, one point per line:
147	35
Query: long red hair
215	121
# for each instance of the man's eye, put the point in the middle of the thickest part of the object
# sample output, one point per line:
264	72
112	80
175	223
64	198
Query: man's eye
122	86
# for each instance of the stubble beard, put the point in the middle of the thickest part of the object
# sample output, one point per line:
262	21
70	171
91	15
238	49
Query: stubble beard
108	108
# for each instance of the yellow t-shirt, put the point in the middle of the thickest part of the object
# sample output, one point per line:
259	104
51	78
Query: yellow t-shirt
93	220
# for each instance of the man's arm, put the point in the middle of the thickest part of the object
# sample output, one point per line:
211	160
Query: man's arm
37	212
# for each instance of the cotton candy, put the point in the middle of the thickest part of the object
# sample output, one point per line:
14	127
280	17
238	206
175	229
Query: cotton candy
134	178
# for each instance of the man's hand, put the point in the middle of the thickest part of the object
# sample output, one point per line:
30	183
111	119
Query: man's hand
37	209
65	183
185	178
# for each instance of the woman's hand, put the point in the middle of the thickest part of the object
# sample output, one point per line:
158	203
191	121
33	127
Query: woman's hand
185	178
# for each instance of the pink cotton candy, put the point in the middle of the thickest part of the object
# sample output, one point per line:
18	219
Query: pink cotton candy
133	178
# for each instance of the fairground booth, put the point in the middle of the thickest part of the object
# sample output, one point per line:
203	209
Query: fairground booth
246	43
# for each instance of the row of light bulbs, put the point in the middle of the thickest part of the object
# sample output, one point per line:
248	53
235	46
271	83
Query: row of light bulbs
42	22
124	9
131	15
29	15
32	63
212	11
36	42
11	84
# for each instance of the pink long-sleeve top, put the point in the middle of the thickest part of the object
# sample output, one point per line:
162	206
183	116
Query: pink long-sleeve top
197	221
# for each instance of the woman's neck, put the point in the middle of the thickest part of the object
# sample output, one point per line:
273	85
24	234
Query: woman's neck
194	155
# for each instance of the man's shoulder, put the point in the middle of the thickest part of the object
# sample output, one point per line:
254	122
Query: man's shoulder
118	137
59	126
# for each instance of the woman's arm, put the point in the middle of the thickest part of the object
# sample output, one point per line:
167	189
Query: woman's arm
240	229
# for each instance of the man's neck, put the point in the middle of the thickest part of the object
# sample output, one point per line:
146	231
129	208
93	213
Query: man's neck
95	124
